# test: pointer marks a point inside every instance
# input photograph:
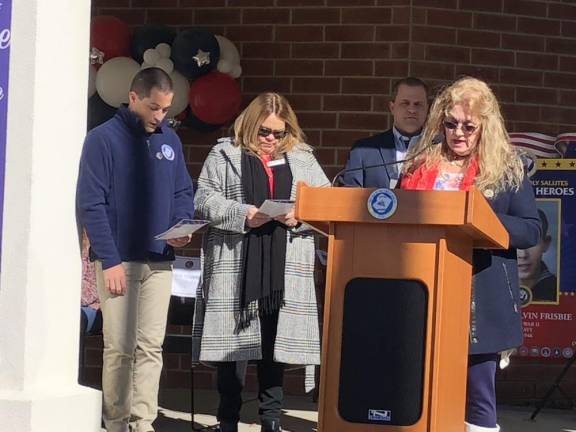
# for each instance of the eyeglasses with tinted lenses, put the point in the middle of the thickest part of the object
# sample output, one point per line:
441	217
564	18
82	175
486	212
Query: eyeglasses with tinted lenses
467	128
278	134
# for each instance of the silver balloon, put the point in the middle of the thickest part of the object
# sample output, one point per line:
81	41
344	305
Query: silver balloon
228	50
114	78
224	66
181	89
165	64
164	50
151	56
236	71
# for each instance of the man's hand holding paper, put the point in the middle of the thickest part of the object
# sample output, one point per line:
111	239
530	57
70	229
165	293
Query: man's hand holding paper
179	234
180	241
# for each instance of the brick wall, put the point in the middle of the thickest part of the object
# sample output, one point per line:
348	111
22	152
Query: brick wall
336	61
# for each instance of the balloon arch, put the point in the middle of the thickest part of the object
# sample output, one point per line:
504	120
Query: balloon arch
203	67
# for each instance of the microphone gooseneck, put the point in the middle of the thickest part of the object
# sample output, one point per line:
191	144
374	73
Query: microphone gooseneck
437	139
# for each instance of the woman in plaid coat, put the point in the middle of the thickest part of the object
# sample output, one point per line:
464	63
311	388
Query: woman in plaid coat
257	298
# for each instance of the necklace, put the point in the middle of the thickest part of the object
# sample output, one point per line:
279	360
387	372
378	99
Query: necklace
457	162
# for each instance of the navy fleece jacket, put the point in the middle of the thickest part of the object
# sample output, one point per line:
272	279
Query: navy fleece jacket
132	185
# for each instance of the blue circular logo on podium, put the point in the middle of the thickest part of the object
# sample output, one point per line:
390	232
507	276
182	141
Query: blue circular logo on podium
382	203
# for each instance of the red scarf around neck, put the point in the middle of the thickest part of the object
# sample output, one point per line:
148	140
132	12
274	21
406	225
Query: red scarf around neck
423	177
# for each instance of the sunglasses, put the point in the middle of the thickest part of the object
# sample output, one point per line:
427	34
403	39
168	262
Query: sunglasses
467	128
278	134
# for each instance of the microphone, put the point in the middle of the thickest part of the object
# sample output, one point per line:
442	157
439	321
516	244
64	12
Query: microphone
437	139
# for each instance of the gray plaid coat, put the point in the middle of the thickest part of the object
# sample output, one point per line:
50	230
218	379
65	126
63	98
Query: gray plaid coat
220	199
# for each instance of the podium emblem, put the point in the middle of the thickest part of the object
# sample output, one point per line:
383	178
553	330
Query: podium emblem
382	203
380	415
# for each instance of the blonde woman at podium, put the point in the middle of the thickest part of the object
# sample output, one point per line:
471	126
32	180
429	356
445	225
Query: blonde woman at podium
476	151
257	299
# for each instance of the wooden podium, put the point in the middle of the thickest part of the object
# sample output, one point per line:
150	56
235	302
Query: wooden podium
397	306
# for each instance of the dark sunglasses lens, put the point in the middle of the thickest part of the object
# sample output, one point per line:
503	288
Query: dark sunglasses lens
468	128
264	132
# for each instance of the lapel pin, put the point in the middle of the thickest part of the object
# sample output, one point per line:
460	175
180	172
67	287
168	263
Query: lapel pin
488	193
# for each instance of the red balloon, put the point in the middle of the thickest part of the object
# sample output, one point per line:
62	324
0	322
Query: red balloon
111	36
215	98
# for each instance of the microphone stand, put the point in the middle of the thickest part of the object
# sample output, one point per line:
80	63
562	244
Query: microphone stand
438	138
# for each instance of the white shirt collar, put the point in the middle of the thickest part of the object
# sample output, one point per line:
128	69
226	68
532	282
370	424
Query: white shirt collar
399	142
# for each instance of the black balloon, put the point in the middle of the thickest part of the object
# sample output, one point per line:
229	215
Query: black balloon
195	52
98	111
193	122
149	36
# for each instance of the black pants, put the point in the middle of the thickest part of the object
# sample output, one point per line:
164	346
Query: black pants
270	380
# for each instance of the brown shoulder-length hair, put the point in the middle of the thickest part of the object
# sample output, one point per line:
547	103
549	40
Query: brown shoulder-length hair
249	121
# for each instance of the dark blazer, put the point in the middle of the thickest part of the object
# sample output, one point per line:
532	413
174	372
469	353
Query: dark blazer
374	150
496	318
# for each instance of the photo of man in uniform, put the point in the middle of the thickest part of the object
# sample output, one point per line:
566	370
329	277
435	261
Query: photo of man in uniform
533	272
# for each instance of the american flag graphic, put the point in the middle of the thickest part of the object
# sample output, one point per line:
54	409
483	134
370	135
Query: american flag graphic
537	144
566	145
545	146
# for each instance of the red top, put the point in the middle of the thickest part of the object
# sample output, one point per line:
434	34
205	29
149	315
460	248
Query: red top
423	178
269	172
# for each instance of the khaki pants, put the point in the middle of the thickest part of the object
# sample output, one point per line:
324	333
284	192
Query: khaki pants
134	329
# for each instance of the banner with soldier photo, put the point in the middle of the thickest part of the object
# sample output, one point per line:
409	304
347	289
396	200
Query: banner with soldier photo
547	272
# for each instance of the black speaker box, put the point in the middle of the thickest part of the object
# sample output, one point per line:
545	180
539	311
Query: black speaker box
383	351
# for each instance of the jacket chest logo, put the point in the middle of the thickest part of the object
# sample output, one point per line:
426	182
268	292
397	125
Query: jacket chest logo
167	152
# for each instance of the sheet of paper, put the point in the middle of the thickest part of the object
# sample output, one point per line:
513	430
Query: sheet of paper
185	276
275	208
182	229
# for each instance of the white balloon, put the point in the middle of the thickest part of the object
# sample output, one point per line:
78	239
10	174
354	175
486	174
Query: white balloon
224	66
181	89
151	56
166	65
164	50
114	78
236	71
92	80
228	50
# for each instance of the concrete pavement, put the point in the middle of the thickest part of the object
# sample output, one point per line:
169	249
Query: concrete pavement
300	415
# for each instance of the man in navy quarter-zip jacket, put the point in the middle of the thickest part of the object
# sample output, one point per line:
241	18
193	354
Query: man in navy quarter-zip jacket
133	184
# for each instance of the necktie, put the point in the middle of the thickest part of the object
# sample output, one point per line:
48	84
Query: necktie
405	141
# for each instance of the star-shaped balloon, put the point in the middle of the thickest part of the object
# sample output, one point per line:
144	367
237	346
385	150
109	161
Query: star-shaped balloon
195	53
96	56
202	58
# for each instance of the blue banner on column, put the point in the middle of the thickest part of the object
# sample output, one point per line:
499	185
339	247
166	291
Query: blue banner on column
5	26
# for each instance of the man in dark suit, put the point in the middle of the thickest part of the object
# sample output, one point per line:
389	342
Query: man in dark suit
409	108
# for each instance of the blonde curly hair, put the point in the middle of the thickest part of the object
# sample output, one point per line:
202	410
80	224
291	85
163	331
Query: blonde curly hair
500	165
